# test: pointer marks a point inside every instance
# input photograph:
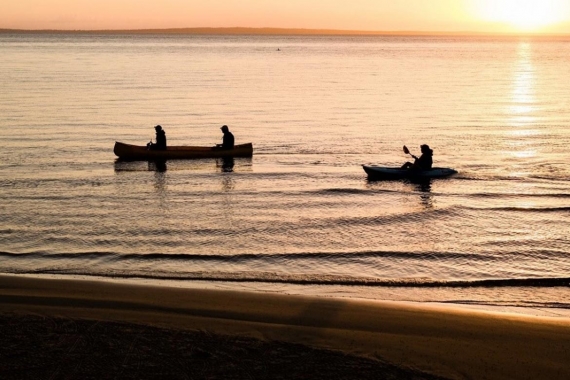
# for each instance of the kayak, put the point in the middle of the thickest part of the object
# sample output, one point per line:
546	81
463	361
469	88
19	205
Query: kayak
137	152
382	172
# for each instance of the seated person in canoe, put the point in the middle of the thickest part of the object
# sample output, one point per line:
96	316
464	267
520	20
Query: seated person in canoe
424	162
160	140
227	140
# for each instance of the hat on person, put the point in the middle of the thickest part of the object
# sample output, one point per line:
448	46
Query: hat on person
224	128
158	127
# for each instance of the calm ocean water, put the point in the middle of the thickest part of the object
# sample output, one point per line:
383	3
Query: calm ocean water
300	216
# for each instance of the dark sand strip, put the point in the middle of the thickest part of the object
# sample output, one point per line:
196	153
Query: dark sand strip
40	347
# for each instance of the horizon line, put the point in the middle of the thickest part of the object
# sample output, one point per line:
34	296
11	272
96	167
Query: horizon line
279	31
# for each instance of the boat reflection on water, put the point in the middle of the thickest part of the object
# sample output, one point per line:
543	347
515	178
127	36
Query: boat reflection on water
160	178
224	165
420	186
157	166
228	183
423	187
169	178
140	166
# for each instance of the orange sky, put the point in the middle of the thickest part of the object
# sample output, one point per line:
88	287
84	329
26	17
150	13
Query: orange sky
386	15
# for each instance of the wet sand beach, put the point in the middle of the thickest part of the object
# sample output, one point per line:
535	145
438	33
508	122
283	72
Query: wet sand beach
56	328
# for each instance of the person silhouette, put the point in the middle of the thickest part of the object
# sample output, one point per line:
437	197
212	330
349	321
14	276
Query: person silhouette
160	139
227	140
424	162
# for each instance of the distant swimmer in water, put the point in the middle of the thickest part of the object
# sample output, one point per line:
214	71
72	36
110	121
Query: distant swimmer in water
278	49
160	139
424	162
227	140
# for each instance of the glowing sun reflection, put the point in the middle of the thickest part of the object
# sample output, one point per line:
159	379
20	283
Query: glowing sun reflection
522	108
523	96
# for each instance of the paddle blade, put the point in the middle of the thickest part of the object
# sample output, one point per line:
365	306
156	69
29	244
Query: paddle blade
406	150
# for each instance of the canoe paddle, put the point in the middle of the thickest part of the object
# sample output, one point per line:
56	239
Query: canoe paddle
407	151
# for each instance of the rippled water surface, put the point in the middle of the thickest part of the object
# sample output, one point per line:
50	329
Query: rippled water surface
300	216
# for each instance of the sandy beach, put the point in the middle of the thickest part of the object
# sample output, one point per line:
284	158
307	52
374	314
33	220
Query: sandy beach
254	332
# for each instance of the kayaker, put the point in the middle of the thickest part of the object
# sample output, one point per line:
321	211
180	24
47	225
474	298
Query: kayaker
227	140
424	162
160	139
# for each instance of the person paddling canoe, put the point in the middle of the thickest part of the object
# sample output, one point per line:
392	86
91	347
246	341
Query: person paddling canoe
160	139
424	162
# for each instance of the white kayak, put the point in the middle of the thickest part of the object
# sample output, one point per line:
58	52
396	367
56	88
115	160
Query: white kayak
382	172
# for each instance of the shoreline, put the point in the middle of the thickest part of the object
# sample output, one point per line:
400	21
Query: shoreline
441	340
389	294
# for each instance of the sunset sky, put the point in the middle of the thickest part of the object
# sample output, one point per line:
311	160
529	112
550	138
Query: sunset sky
552	16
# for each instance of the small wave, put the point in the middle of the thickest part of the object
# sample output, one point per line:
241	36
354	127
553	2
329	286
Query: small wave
264	277
466	177
101	264
371	191
246	256
549	178
522	209
518	303
342	191
516	195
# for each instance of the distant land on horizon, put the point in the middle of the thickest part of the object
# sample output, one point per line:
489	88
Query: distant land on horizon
271	31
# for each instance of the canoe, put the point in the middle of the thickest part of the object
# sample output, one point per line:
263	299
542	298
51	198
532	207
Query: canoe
137	152
386	173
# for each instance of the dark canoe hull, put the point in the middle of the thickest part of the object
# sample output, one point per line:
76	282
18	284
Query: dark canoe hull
387	173
137	152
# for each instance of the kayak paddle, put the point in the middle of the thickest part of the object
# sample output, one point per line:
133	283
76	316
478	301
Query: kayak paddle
407	151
